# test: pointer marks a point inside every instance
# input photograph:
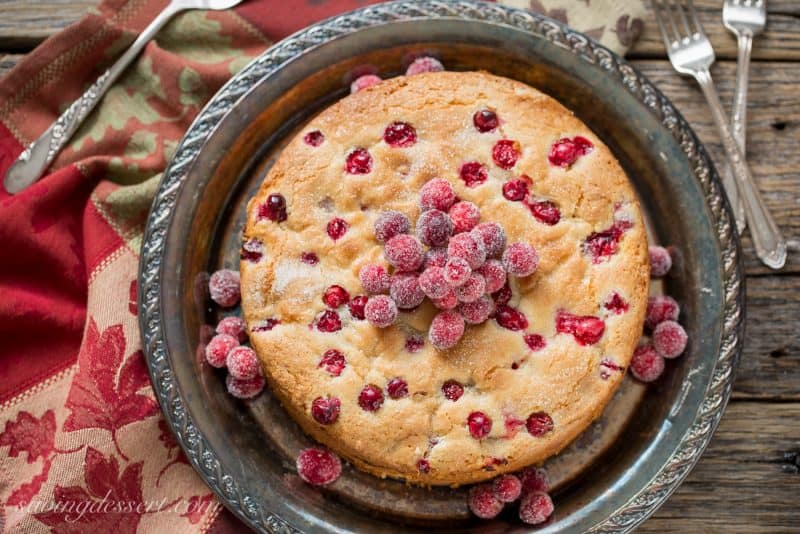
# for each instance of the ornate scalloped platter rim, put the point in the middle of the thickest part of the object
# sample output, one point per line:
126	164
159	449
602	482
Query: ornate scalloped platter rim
696	408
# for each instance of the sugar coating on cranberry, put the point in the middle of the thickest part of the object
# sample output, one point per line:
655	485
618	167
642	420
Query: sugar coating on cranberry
534	479
359	161
493	236
333	362
389	224
465	215
252	250
660	261
471	290
374	279
414	343
404	252
507	488
447	302
494	274
485	120
434	228
545	211
242	363
400	135
397	388
477	311
506	153
433	283
314	138
328	322
539	424
483	502
457	271
659	309
535	342
586	329
647	364
436	194
325	410
479	425
218	348
380	311
452	390
371	398
233	326
224	287
669	339
435	257
424	466
245	389
520	259
337	228
516	190
510	318
405	290
309	258
318	466
424	64
535	508
357	305
616	304
468	247
273	209
446	329
363	82
473	173
335	296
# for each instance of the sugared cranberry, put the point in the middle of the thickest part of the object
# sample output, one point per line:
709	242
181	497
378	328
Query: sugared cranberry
507	488
669	339
242	363
477	311
447	302
516	189
545	211
405	290
483	502
616	304
371	398
329	321
452	390
520	259
473	289
473	173
534	479
457	272
468	247
434	228
309	258
389	224
223	287
359	161
357	305
435	257
335	296
506	153
424	64
404	252
493	236
539	424
660	261
465	215
601	245
314	138
245	389
586	329
608	366
252	250
266	325
363	82
485	120
535	342
436	194
233	326
582	145
433	282
503	296
414	343
423	466
479	425
400	135
563	153
397	388
659	309
380	311
494	274
446	329
374	279
535	508
508	317
273	209
318	466
325	410
218	348
647	364
337	228
333	361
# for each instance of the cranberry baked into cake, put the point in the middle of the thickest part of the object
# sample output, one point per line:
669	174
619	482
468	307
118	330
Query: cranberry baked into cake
445	277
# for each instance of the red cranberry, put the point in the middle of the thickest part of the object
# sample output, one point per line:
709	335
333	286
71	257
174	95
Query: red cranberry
359	161
424	466
335	296
245	389
434	228
266	325
371	398
539	424
516	189
479	425
659	309
669	339
435	257
646	364
477	311
512	424
242	363
424	64
363	82
465	215
534	479
485	120
405	291
483	502
563	153
357	305
535	508
374	279
218	348
473	289
252	250
325	410
506	153
494	274
468	247
457	272
233	326
329	322
473	173
586	330
503	296
318	466
535	342
508	317
616	304
404	252
337	228
380	311
400	135
493	236
436	194
224	287
520	259
433	283
600	245
309	258
507	488
446	329
414	343
448	302
333	362
545	212
452	390
389	224
660	261
582	145
314	138
607	366
273	209
397	388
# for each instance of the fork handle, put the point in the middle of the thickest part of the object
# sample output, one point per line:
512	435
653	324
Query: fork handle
33	161
769	243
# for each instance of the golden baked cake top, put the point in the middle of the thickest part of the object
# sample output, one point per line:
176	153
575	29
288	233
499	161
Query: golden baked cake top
514	389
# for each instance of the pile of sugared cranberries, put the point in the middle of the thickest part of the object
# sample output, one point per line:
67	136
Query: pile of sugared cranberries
465	262
530	487
418	66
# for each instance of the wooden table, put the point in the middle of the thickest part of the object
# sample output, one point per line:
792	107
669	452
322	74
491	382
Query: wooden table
749	478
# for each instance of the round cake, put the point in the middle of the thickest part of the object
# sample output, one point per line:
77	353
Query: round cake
399	398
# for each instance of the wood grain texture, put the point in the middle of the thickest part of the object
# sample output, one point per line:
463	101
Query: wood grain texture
26	23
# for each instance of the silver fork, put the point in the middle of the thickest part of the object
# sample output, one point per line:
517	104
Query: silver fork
40	154
745	18
691	54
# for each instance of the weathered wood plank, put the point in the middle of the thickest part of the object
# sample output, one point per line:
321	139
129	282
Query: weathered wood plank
24	24
747	480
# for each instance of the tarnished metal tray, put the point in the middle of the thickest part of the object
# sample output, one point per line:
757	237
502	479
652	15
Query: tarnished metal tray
627	463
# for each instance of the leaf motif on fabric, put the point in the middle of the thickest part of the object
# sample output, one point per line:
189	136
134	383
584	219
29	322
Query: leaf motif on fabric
36	437
628	30
24	493
197	507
